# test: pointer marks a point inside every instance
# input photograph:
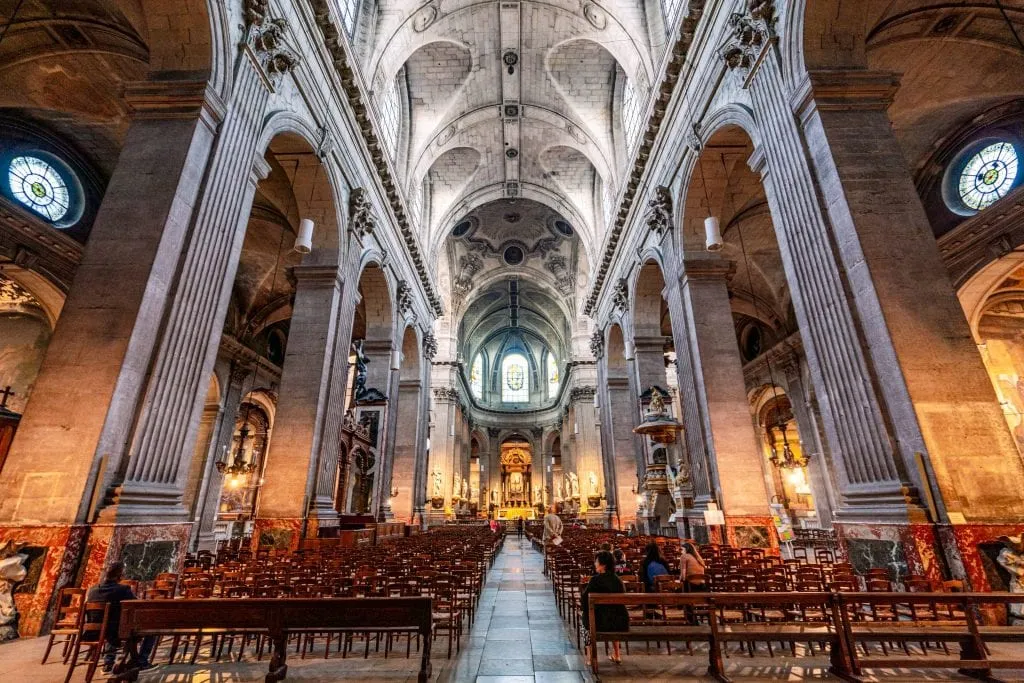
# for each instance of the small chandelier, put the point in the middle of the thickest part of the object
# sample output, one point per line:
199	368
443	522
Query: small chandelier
787	459
238	467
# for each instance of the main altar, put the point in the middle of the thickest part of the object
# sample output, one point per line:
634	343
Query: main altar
518	494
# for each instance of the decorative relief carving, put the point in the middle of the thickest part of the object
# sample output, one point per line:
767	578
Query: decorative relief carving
424	17
13	294
450	394
403	297
558	266
266	37
582	394
469	265
620	297
597	344
751	33
659	211
429	346
595	15
361	220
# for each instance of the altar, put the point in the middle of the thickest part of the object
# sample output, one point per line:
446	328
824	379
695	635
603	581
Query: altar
514	513
518	494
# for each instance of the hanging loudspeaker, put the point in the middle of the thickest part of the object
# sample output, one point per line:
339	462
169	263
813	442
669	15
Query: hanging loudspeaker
304	240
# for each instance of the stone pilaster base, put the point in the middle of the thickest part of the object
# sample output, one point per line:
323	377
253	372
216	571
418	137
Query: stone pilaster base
436	517
76	554
597	516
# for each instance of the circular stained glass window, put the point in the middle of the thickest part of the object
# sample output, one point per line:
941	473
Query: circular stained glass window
513	255
514	377
40	187
988	175
563	228
461	229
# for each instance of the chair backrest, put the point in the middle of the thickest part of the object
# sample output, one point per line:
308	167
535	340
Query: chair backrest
92	622
69	605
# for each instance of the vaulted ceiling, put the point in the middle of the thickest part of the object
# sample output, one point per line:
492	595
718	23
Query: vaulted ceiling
500	100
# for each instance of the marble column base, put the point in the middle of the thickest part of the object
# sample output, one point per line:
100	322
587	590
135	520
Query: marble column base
76	554
436	517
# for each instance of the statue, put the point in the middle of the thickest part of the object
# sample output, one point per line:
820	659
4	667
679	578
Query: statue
536	494
465	488
558	490
1011	558
361	361
12	571
657	404
438	488
593	483
574	485
456	486
517	482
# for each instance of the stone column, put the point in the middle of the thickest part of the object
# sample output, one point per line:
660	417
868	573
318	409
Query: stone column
621	413
587	447
442	446
721	392
220	444
402	459
290	491
85	397
930	378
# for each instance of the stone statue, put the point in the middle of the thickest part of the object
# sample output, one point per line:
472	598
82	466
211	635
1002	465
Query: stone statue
465	488
361	361
1011	558
517	482
593	483
558	490
574	485
12	571
657	404
438	488
456	485
536	494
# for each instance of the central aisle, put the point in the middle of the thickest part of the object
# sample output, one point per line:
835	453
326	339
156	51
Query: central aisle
518	636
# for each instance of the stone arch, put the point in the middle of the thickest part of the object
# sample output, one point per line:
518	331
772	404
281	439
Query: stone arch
402	473
375	314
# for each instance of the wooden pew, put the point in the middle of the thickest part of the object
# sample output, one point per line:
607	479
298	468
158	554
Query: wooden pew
954	619
789	628
274	618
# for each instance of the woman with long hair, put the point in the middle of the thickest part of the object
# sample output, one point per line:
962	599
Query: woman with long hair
607	618
692	569
654	565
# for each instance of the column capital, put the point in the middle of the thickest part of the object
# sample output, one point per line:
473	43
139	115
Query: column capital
174	99
706	269
316	276
845	90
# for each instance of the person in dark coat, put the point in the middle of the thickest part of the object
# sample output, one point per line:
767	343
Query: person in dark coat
607	618
113	592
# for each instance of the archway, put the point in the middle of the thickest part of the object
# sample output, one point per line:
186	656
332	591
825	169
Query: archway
403	453
621	413
517	479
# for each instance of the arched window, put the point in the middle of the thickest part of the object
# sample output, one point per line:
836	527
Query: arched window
476	377
46	186
671	9
389	115
349	12
553	377
515	386
632	108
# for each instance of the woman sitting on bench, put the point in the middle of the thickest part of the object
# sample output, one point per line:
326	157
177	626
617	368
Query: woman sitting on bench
607	618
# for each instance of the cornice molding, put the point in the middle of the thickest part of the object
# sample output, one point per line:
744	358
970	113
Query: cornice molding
357	100
673	69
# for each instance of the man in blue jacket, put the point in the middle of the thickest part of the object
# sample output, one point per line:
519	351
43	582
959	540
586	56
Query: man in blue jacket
113	592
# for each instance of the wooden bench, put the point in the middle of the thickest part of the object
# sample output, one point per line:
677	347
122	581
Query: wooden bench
966	631
274	618
841	621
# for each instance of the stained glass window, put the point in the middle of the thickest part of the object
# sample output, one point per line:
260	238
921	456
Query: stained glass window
349	12
553	378
516	387
988	176
37	184
476	377
389	114
632	106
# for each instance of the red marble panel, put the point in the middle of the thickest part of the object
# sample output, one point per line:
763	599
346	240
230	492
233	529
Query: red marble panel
284	533
76	556
734	521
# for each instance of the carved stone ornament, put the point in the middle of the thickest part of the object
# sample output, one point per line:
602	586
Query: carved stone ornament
659	211
620	297
266	37
446	394
429	346
751	33
582	394
361	220
12	572
13	294
597	344
403	297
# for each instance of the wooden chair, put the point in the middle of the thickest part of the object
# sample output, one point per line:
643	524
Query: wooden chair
69	605
91	638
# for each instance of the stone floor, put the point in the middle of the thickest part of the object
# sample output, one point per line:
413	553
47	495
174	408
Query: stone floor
517	637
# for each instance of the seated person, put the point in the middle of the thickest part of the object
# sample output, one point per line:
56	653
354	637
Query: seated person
607	618
654	565
621	563
113	592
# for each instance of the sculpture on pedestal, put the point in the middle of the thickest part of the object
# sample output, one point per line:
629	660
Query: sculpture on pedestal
12	571
1011	558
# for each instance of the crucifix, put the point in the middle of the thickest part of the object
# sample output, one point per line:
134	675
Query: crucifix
5	394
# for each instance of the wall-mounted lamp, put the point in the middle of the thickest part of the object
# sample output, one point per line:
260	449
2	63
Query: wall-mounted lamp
712	234
304	240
